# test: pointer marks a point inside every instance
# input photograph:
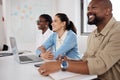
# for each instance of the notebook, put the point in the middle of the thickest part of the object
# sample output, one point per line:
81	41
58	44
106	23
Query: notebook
26	58
65	75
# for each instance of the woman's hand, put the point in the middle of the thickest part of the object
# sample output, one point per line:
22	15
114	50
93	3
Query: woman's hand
62	58
47	55
49	67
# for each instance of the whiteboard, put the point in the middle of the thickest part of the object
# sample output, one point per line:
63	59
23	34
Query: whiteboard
24	14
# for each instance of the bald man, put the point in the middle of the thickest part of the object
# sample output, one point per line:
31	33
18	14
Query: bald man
102	56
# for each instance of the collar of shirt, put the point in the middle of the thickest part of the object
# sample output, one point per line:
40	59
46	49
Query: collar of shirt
106	29
60	40
47	32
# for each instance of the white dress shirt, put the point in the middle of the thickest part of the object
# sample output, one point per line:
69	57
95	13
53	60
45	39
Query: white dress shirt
60	41
40	38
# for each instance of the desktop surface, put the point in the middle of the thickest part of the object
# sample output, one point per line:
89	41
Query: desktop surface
12	70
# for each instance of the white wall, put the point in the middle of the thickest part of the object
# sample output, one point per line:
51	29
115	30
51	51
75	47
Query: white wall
72	9
2	32
6	9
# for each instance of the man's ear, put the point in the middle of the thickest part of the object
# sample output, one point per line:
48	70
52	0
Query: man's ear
108	11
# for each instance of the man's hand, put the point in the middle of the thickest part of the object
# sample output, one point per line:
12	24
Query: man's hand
49	67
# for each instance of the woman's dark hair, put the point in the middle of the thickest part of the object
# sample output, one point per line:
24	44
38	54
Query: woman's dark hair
69	24
47	19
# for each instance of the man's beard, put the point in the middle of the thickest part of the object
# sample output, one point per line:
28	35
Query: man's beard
95	21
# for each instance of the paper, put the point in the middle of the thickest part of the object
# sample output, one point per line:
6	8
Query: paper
60	75
65	75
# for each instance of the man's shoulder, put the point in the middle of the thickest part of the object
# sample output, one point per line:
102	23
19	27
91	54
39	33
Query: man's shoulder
117	23
117	26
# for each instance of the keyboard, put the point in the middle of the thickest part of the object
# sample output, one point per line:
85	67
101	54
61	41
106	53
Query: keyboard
25	58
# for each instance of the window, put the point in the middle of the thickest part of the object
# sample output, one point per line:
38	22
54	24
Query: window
85	28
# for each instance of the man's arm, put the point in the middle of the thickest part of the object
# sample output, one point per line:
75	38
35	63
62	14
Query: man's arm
78	67
73	66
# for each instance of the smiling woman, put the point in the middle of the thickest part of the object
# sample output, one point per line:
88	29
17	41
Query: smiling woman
85	28
64	33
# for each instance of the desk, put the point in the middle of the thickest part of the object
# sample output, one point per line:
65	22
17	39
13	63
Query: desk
11	70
